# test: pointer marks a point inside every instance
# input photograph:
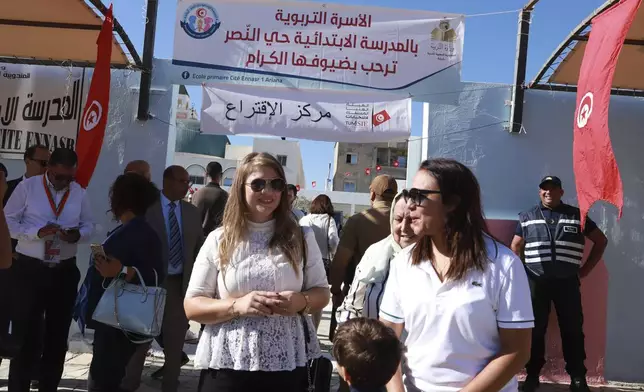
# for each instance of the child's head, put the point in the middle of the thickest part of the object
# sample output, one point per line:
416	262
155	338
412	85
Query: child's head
368	353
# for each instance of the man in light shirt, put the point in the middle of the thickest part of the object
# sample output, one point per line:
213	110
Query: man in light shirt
48	215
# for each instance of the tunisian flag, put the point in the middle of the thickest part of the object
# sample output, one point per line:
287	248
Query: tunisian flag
596	172
94	119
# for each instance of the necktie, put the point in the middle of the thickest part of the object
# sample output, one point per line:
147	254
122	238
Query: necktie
176	251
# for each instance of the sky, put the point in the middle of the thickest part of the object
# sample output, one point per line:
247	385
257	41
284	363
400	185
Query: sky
488	55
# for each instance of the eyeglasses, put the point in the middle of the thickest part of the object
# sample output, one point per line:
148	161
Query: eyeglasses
417	196
259	184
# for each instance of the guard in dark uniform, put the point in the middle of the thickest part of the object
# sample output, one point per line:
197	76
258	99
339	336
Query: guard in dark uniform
550	241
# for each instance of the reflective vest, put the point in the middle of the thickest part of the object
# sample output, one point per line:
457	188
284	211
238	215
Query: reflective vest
553	253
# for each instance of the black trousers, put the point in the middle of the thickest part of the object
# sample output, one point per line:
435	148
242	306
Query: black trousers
566	296
112	351
42	290
226	380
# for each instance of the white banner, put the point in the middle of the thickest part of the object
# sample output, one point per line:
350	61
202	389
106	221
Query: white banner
263	42
331	116
39	105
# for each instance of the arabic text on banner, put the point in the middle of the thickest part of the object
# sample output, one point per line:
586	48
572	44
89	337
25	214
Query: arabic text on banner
332	116
262	42
38	105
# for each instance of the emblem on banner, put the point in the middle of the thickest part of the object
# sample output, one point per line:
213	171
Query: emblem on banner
585	110
200	21
380	118
92	116
444	32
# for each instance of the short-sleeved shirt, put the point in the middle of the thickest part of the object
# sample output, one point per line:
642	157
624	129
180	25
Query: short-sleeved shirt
453	326
552	218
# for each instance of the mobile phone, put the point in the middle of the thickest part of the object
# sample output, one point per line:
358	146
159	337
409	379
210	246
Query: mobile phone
97	250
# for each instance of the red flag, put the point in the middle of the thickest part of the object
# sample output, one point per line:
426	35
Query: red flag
94	119
313	184
380	118
596	172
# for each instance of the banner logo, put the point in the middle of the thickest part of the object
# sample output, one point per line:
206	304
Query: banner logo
444	32
200	21
585	110
381	118
92	116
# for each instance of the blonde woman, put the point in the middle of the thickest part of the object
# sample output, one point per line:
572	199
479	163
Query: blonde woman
248	286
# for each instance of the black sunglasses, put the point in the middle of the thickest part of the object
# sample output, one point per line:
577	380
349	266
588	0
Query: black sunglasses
259	184
417	196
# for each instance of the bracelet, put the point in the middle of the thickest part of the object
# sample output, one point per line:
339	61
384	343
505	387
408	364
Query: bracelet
234	313
307	307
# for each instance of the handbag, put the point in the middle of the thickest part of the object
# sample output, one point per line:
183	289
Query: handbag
318	370
134	309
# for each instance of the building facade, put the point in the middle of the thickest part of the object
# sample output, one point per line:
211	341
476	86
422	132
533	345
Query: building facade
356	164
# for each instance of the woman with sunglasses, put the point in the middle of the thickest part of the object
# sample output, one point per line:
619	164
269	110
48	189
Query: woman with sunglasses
249	287
461	297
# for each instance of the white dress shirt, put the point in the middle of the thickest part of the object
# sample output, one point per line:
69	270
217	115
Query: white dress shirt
165	207
28	210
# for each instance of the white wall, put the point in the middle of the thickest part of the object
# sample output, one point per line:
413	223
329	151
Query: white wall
509	167
294	168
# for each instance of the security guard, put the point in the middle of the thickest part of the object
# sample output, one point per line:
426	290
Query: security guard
550	240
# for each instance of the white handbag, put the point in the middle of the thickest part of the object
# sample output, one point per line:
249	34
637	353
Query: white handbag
134	309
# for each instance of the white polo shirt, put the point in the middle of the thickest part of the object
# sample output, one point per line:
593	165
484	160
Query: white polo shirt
453	326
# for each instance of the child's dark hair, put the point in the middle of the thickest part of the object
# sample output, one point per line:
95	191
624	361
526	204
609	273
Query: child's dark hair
369	351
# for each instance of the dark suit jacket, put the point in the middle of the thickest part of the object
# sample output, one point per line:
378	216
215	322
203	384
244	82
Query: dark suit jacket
11	186
192	235
211	201
134	244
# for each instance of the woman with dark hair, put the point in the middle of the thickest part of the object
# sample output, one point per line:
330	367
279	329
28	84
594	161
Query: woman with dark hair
132	244
462	297
321	221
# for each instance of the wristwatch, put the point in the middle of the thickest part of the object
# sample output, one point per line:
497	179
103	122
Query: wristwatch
307	307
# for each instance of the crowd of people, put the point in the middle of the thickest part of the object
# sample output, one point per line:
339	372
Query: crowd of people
425	297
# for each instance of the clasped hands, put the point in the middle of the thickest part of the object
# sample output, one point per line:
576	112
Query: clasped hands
265	303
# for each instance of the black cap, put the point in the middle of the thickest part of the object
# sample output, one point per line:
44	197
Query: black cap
556	181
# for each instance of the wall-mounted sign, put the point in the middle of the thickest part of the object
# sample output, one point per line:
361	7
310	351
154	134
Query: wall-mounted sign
39	105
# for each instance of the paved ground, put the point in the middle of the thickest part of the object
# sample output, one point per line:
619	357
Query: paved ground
77	367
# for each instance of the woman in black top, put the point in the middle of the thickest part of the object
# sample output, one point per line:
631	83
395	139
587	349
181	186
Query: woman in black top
133	244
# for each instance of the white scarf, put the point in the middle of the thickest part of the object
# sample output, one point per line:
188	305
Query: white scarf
374	265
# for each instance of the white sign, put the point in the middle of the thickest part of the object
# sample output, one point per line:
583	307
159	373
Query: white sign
348	46
39	105
332	116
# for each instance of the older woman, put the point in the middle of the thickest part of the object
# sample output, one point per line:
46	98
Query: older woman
461	297
371	275
249	286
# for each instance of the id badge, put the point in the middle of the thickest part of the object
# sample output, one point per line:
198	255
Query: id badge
52	250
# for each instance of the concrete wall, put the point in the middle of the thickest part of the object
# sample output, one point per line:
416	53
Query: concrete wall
509	167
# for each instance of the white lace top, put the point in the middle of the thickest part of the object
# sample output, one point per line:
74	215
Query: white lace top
271	343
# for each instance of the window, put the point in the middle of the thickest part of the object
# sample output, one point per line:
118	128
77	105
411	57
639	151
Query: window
197	180
352	158
392	157
349	186
197	174
282	159
227	182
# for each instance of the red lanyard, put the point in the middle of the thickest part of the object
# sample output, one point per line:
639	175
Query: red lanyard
57	210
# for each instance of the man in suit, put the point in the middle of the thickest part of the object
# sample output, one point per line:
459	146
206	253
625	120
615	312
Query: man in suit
211	200
178	224
36	158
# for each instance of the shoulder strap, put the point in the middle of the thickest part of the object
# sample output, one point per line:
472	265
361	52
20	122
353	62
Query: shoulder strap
304	258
